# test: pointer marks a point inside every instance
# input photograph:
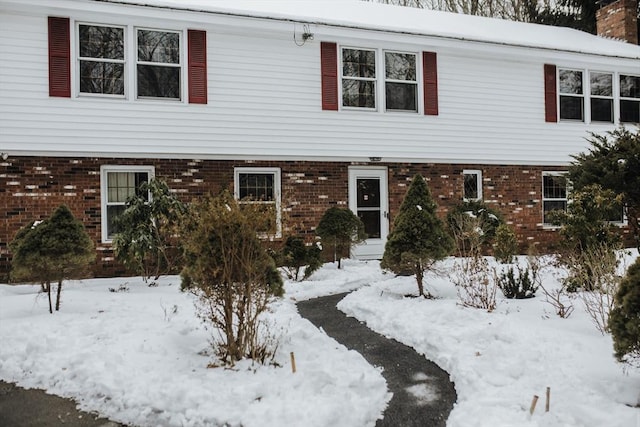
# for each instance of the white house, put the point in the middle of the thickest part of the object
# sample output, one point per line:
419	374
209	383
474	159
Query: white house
301	104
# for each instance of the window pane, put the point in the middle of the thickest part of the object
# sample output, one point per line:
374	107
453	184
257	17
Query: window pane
358	63
256	186
101	42
401	96
571	108
112	213
601	84
601	110
630	86
550	206
158	46
571	82
554	187
629	111
358	93
368	193
471	186
158	82
400	66
371	221
101	77
122	185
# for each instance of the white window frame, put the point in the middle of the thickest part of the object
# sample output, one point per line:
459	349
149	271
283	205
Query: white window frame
276	192
582	96
552	199
78	59
478	174
104	191
373	79
180	65
414	82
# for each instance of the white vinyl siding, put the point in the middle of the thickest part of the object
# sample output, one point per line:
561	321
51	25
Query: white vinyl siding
265	102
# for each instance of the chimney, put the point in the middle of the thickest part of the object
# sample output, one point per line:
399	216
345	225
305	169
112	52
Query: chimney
619	20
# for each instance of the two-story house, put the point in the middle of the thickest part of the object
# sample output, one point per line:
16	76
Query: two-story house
301	105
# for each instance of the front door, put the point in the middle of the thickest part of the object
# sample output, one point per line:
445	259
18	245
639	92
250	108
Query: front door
368	198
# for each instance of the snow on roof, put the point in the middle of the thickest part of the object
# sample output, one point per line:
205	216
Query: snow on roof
399	19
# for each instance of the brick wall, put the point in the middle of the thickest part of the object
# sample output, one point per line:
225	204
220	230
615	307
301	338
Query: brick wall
31	188
618	20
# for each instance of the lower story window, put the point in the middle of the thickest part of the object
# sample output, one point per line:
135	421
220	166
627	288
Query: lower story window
472	189
260	189
118	184
554	194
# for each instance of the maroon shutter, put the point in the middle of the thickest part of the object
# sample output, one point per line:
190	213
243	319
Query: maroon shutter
329	65
197	66
550	102
59	57
430	76
550	99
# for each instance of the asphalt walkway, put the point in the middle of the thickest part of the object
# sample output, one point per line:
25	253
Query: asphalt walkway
423	394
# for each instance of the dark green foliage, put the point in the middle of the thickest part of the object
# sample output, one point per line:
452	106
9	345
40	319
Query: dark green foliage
613	162
295	255
418	238
230	271
473	226
147	240
520	286
53	250
585	228
624	319
340	229
578	14
505	245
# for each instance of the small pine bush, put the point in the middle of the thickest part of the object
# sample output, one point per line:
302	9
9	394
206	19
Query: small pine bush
520	286
53	250
505	244
418	238
624	319
296	256
340	229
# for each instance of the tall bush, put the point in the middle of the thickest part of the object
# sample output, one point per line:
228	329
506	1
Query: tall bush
339	230
53	250
418	238
231	273
624	319
473	225
147	240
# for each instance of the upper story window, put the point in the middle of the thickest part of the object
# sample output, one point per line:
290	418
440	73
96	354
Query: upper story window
260	187
118	184
359	78
571	95
158	65
401	84
472	185
630	99
101	59
601	90
554	194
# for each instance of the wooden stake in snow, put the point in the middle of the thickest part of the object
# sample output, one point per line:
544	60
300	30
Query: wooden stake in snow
548	403
534	402
293	362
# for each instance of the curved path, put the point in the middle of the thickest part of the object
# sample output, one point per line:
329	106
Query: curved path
423	394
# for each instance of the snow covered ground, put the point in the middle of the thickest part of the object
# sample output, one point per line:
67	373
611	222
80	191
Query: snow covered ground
140	356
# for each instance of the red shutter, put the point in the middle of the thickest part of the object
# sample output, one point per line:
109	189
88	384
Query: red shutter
430	76
197	66
550	102
59	57
329	65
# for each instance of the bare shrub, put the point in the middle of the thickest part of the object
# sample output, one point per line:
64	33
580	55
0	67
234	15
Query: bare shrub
232	275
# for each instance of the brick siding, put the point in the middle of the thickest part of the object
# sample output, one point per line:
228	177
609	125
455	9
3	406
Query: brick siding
32	187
